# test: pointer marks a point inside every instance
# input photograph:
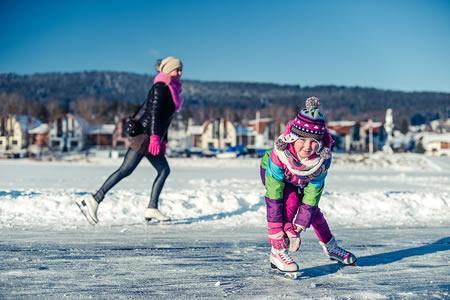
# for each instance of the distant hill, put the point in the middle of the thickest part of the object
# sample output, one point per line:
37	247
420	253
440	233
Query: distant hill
237	100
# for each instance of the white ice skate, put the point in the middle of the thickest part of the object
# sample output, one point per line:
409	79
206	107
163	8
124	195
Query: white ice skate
334	252
282	261
88	207
154	213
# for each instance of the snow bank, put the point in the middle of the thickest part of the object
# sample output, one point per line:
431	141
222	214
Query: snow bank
380	160
231	207
377	190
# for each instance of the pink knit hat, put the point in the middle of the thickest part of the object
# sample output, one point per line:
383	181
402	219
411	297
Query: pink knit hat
309	122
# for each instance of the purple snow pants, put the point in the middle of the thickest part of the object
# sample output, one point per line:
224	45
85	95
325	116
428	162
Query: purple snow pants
291	201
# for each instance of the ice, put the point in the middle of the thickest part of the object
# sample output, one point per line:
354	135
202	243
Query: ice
392	211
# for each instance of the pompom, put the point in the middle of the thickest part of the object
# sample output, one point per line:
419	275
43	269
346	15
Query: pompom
312	103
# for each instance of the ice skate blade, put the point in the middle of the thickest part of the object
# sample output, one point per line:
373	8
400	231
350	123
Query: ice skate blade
86	214
353	264
154	221
291	275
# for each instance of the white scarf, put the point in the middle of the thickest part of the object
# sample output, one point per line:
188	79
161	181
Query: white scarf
299	167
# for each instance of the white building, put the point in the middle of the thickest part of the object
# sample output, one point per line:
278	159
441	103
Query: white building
194	135
436	144
343	133
14	134
261	132
440	126
38	140
68	133
219	134
101	136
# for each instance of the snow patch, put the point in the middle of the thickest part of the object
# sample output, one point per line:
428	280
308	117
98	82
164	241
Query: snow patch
212	203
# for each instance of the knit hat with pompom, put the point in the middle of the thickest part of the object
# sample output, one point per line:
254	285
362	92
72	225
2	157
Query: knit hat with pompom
168	64
309	122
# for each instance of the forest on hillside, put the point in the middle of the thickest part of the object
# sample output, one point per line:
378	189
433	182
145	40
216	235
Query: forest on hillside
103	97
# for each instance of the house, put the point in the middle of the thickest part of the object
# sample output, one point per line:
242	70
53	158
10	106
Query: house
68	133
38	138
101	136
357	136
194	135
219	134
373	136
440	126
343	133
245	136
262	133
14	134
436	144
119	138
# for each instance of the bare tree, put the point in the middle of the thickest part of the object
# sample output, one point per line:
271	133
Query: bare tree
91	109
54	110
12	104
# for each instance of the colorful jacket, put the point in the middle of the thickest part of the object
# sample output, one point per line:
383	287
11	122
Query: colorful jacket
278	174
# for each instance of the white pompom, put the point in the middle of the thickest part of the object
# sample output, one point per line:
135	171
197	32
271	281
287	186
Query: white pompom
312	103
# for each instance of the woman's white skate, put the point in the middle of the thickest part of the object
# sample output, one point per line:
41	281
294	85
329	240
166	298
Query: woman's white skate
88	207
155	215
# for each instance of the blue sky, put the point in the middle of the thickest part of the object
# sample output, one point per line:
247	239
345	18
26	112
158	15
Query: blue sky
400	45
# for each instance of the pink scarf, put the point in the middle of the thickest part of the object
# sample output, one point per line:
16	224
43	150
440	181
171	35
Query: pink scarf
174	87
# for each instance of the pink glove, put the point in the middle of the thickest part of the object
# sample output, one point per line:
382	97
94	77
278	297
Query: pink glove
163	147
154	146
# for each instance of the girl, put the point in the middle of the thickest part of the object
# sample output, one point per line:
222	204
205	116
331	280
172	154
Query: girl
293	173
163	100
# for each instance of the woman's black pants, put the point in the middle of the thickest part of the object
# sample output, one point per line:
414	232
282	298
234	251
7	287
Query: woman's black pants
130	162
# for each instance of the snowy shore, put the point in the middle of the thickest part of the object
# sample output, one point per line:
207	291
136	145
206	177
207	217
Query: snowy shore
399	190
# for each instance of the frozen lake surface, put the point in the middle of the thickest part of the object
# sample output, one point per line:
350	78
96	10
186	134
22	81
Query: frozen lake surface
392	212
156	261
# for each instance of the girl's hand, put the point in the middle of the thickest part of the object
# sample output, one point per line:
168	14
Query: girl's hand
293	236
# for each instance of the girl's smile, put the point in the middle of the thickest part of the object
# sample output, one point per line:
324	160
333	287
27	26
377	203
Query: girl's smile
305	147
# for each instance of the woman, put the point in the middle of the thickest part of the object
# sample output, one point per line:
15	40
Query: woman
163	100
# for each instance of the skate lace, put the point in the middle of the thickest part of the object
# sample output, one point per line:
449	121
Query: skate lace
338	251
286	257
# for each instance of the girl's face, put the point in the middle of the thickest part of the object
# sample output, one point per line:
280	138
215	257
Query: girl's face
177	73
305	147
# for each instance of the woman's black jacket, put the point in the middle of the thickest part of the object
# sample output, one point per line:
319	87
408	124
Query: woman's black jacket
158	111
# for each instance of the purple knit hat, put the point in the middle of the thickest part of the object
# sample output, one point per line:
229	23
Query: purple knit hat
309	122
